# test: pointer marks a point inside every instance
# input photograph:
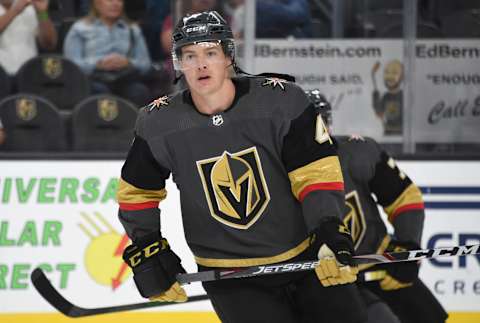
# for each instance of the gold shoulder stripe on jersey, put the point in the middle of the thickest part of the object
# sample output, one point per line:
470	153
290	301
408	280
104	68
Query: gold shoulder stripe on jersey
411	198
323	171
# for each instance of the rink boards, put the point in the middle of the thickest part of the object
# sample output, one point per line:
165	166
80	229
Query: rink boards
61	215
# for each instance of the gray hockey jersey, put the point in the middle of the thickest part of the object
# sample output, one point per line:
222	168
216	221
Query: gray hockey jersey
373	178
254	180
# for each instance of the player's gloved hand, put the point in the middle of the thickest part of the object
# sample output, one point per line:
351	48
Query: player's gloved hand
155	267
401	274
335	254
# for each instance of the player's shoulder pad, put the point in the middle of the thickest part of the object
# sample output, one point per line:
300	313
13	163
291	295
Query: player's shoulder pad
274	83
269	81
280	92
286	77
157	104
359	139
154	109
367	142
160	103
359	143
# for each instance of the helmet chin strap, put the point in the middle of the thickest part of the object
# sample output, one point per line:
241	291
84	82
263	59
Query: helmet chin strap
177	78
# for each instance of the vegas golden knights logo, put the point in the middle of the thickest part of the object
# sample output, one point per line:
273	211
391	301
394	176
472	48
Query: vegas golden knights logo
107	109
235	187
26	109
52	67
355	220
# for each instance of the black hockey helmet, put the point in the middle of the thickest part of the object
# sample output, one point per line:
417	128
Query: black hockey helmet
321	105
207	26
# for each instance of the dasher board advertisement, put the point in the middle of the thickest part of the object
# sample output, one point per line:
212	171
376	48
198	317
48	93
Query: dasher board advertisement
364	80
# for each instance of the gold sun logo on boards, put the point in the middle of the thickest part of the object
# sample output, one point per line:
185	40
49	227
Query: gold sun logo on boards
103	256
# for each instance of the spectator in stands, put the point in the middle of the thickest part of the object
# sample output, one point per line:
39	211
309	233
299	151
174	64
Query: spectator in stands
235	9
279	19
111	50
275	18
2	133
157	12
82	7
134	10
23	25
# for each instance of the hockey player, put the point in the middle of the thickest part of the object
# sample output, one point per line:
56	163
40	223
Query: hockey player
259	181
369	171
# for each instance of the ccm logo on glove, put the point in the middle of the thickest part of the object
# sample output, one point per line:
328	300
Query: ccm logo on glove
146	252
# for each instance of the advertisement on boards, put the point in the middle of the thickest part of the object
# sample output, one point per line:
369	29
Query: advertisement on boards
364	80
62	216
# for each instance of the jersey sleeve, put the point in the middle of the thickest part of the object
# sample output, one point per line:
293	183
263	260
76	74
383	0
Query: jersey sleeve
312	163
400	198
141	188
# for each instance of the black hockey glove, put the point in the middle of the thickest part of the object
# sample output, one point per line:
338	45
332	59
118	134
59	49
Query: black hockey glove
335	253
401	274
155	267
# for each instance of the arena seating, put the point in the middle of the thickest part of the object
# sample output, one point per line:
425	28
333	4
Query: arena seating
462	24
389	24
54	77
103	123
32	124
5	85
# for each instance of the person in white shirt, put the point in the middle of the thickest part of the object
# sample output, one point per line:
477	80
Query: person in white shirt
23	25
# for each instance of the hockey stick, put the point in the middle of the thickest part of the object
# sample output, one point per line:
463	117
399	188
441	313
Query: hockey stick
51	295
386	257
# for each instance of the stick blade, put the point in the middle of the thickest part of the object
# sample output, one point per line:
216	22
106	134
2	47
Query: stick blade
51	295
44	287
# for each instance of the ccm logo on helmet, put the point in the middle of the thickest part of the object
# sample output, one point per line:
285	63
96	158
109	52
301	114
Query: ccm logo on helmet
196	28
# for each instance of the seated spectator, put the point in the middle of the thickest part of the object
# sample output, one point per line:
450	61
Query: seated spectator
111	51
134	10
235	9
279	19
23	25
149	14
157	11
274	18
82	7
